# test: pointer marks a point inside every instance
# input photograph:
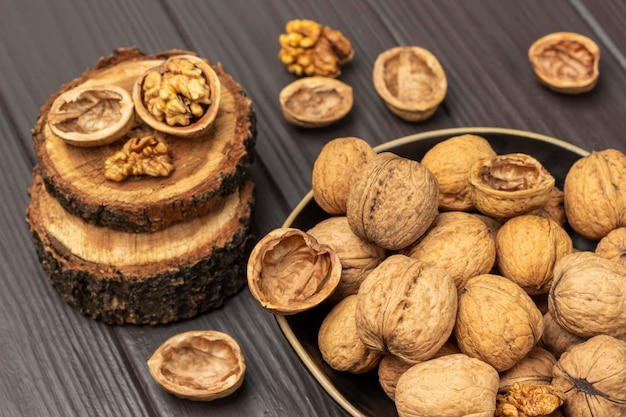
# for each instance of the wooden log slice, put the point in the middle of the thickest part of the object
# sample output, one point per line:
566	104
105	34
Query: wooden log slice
206	167
144	278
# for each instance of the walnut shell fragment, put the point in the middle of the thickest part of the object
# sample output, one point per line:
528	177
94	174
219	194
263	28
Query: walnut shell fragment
566	62
508	185
92	116
588	295
315	101
290	272
411	82
593	376
334	171
180	97
392	201
201	365
453	385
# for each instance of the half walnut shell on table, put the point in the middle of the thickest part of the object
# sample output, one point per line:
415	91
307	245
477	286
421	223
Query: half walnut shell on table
200	365
184	107
411	81
566	62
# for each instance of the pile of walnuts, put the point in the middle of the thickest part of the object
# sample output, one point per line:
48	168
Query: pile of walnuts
459	282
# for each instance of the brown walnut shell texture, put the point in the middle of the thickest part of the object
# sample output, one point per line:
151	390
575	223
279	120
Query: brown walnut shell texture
290	272
450	161
593	377
554	209
555	339
534	368
339	343
392	201
497	321
334	170
201	365
390	369
528	248
407	308
460	243
358	257
595	188
588	295
509	185
613	246
453	385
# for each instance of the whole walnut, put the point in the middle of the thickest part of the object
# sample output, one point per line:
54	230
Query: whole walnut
357	256
534	368
451	386
588	295
339	343
334	170
613	246
392	201
554	209
407	308
592	375
390	369
528	247
450	161
497	321
451	234
595	193
555	338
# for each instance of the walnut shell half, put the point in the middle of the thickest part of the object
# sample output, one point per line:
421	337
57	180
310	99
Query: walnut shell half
290	272
201	365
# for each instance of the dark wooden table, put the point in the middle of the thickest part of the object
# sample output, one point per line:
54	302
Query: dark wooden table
56	362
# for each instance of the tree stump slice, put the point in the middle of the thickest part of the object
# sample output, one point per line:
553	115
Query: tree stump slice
205	167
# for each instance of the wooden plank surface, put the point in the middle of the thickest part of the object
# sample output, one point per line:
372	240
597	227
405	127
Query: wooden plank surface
55	362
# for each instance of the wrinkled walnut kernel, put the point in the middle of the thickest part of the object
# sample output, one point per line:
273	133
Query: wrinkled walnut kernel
139	156
309	49
528	400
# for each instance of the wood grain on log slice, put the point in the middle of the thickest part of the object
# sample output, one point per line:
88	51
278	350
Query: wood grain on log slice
144	278
205	167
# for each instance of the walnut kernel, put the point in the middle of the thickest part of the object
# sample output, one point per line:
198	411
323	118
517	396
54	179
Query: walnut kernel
528	399
145	155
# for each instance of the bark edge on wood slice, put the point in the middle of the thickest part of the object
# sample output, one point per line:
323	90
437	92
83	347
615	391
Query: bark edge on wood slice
143	278
205	167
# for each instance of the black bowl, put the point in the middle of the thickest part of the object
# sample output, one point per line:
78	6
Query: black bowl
361	395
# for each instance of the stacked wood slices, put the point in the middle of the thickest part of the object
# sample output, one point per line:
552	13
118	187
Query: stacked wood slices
146	249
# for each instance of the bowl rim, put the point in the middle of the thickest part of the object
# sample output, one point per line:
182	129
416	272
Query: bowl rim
288	332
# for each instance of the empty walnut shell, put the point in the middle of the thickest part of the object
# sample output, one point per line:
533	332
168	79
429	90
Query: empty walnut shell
92	116
566	62
315	101
290	272
197	125
613	246
509	185
201	365
411	81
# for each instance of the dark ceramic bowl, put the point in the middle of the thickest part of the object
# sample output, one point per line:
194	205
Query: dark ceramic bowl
361	395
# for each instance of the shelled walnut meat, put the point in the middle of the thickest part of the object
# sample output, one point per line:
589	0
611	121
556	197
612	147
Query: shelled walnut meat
145	155
393	201
529	399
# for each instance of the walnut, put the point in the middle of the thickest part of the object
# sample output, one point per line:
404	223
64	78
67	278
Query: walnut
450	161
508	185
145	155
497	321
534	368
392	201
92	116
588	295
593	376
290	272
613	246
315	101
565	62
390	369
453	233
396	304
595	188
358	257
529	400
334	171
339	343
453	385
555	338
528	248
411	82
179	97
201	365
310	49
554	209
